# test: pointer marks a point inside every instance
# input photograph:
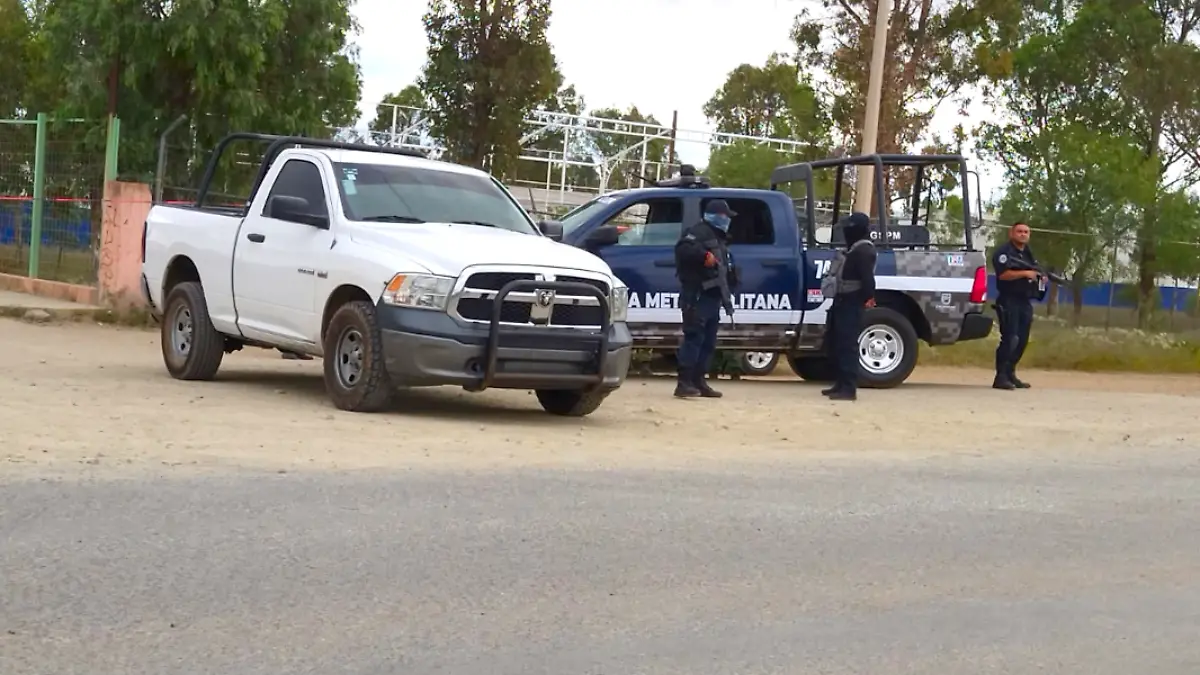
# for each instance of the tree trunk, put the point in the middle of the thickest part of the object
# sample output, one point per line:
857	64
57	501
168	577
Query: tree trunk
1077	303
1052	299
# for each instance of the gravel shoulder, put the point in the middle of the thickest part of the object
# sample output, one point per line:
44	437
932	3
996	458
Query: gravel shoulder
90	400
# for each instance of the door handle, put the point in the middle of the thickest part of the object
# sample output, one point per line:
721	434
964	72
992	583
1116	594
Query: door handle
664	263
256	238
777	262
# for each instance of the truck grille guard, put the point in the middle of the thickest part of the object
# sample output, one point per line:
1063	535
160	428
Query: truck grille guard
541	295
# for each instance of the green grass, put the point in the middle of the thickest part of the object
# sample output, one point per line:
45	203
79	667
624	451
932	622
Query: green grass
1056	345
70	265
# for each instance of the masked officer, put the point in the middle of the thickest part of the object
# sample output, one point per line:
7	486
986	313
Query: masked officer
1017	282
855	292
706	276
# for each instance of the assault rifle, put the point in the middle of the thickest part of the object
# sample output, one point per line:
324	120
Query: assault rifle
1044	273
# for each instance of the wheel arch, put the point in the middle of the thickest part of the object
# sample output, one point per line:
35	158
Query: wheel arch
907	307
340	296
180	269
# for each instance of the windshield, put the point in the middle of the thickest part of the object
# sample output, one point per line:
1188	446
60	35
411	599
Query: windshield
581	215
406	194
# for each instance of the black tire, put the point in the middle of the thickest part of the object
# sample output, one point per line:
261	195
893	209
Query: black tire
812	368
571	403
895	347
354	330
192	349
749	368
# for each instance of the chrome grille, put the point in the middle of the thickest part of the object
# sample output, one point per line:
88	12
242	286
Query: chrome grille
474	301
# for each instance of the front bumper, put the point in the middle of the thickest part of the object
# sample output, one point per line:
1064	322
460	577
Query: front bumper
975	326
428	348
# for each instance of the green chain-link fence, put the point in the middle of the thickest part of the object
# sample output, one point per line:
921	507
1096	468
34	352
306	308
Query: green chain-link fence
52	176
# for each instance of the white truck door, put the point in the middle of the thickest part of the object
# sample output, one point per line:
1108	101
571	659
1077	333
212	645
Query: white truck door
280	251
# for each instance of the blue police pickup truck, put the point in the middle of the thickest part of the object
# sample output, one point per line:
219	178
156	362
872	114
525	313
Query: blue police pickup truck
929	292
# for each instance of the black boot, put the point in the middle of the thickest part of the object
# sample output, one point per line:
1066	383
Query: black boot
1012	377
1002	382
843	395
829	391
684	387
705	390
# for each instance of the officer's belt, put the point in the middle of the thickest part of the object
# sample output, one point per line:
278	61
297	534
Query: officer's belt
849	286
710	283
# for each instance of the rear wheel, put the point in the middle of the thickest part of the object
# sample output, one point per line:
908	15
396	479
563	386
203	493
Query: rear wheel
571	403
192	348
887	349
759	363
355	375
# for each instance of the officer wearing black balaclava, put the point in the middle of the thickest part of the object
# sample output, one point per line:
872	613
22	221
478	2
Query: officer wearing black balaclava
854	271
706	276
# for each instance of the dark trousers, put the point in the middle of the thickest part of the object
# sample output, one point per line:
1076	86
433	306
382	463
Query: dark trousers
1016	318
701	321
844	327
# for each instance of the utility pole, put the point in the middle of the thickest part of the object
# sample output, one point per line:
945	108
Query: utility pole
865	187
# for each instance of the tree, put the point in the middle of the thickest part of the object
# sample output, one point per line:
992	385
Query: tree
921	67
769	101
549	143
489	64
744	164
282	66
1127	68
398	112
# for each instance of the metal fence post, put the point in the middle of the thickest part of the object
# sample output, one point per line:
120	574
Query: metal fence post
112	149
39	196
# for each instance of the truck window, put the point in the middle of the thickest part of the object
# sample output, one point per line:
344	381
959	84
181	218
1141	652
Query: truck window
301	178
650	222
391	194
752	225
577	217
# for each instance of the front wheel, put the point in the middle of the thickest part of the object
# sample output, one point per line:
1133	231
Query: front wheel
355	375
887	349
571	403
759	363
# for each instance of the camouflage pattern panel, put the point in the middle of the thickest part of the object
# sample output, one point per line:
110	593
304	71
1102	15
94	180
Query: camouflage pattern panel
940	282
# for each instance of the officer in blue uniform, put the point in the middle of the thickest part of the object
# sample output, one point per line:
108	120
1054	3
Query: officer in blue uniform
1017	282
706	275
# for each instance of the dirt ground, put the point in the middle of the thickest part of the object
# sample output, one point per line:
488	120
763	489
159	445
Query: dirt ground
83	400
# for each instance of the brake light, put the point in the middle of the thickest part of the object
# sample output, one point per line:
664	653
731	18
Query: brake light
145	226
979	288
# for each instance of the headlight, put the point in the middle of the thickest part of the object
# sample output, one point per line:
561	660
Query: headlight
619	302
422	291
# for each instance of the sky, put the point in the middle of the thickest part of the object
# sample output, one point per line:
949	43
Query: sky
609	49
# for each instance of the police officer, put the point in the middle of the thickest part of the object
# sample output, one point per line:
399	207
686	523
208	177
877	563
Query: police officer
706	276
855	292
1017	282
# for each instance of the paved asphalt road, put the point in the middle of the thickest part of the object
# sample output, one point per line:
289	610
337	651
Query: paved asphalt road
945	565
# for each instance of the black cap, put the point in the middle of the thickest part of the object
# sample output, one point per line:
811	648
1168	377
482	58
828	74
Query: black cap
720	206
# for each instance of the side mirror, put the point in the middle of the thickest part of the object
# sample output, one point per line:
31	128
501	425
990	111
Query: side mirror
605	235
552	229
294	210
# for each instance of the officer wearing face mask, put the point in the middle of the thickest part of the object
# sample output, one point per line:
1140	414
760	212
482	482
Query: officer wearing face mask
707	276
853	292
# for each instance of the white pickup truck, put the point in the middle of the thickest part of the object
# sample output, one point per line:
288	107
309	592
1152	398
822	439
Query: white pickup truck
397	270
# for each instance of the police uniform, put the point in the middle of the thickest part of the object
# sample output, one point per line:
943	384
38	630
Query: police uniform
704	290
1014	310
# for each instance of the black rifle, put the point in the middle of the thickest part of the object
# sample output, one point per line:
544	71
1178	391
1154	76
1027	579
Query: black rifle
1043	272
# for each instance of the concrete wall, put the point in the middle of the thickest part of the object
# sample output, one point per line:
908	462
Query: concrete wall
125	208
